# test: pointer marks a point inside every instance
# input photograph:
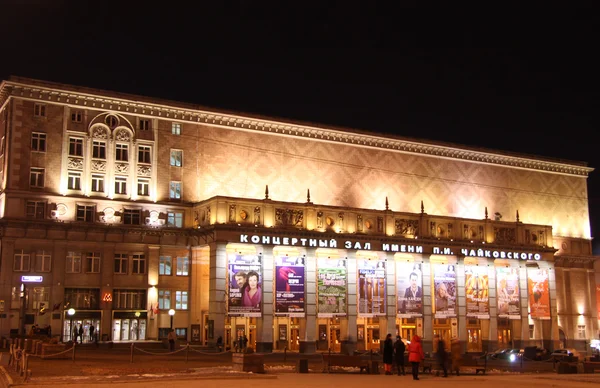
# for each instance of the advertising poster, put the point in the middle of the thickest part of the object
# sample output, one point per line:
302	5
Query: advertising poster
539	293
332	287
245	285
289	286
444	288
409	290
371	287
507	286
477	291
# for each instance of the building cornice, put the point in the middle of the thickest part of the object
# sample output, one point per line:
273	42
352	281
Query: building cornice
62	95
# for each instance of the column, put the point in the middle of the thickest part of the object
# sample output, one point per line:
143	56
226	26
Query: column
308	326
153	264
348	327
461	304
264	325
492	341
217	290
426	333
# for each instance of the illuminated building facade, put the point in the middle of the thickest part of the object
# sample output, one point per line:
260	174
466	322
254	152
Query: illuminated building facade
124	207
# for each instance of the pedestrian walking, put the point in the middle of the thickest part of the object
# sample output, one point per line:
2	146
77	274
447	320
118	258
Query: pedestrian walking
399	349
388	354
219	343
172	337
415	355
441	355
455	355
91	333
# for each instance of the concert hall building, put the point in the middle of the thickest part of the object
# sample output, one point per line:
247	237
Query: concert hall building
137	215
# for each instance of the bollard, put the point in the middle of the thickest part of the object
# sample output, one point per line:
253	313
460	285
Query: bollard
73	351
131	358
284	353
187	352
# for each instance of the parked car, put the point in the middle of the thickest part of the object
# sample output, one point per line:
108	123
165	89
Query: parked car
561	354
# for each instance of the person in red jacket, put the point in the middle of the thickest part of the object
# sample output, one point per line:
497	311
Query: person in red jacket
415	355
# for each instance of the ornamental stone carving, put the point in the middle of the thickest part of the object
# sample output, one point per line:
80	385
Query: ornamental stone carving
289	217
98	165
99	133
406	227
122	168
504	235
75	164
122	135
144	170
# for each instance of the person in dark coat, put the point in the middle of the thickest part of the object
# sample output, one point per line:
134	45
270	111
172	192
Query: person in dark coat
442	356
388	354
399	349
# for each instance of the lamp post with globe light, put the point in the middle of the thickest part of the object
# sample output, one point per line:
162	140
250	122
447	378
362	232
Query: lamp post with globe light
172	314
71	312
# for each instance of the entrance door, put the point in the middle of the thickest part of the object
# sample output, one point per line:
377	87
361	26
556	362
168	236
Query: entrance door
334	338
474	340
125	334
504	338
116	330
408	332
294	339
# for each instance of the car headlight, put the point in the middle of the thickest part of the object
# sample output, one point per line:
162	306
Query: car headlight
512	357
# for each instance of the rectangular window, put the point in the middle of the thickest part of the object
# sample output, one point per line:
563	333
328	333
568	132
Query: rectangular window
144	125
144	154
175	190
181	300
75	146
176	158
138	264
131	217
130	299
143	187
164	265
176	129
38	142
121	153
99	150
175	219
120	185
36	177
76	116
22	261
98	183
181	332
164	299
43	261
121	263
531	331
39	110
85	213
183	266
83	298
581	331
92	262
36	209
74	180
73	262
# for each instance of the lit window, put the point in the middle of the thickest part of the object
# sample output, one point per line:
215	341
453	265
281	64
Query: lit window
164	299
120	185
183	266
181	300
143	187
164	265
175	219
38	142
98	183
176	158
74	180
175	190
581	331
176	129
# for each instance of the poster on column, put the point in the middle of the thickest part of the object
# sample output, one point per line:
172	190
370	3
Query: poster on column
245	285
507	290
332	287
477	291
371	287
289	286
444	288
539	293
409	290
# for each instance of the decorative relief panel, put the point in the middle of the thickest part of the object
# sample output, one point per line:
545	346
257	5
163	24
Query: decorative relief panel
320	219
406	227
379	224
289	217
341	221
257	215
75	164
232	213
535	237
99	133
471	232
122	135
122	168
144	170
98	165
504	235
359	223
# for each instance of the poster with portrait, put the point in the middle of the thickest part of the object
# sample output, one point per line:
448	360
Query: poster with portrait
444	290
508	294
332	287
539	293
371	287
477	291
245	285
289	286
409	290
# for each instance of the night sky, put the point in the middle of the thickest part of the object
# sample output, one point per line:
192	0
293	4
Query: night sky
524	84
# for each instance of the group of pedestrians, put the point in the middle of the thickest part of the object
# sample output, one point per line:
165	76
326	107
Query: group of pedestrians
395	351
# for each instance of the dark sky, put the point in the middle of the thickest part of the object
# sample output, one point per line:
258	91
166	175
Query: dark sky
526	84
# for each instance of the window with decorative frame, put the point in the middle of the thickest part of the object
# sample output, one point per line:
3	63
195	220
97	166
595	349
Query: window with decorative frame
581	331
144	154
164	299
165	265
183	266
121	152
75	146
181	300
97	183
85	213
175	219
98	149
131	217
74	180
143	186
176	129
176	158
120	185
175	190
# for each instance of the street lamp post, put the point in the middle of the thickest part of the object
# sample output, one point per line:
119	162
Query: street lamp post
71	312
172	314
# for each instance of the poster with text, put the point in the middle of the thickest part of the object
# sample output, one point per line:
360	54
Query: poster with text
507	289
477	291
409	290
289	286
332	287
539	293
444	289
245	285
371	287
